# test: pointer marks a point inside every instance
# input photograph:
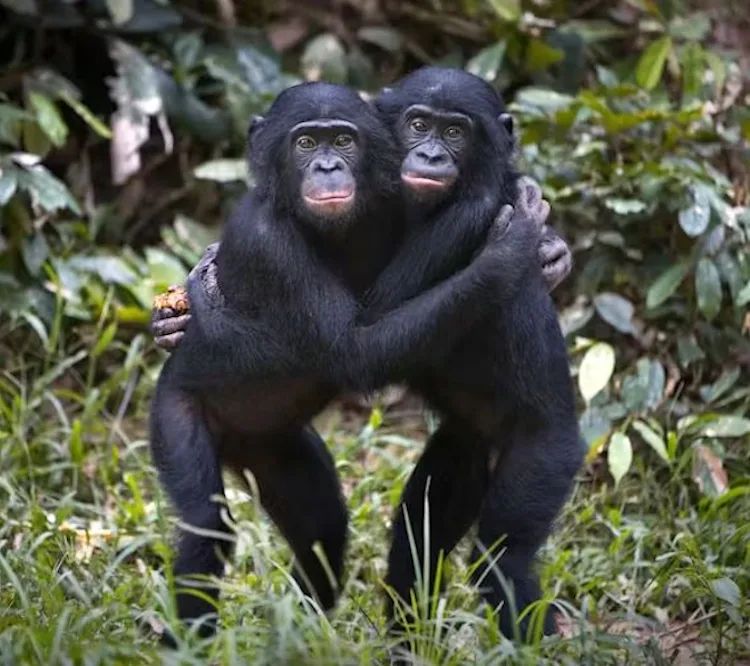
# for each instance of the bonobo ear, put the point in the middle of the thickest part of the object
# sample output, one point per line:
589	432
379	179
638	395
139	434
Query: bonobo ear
507	122
255	123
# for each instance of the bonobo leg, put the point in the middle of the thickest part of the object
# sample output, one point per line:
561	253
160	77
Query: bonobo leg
300	490
530	483
186	458
455	465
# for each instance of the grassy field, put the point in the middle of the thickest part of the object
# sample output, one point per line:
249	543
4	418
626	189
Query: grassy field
649	572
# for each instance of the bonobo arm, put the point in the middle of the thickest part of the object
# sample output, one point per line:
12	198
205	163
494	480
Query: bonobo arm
367	356
168	325
438	247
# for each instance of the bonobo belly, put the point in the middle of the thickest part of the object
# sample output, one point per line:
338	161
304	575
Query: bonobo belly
268	406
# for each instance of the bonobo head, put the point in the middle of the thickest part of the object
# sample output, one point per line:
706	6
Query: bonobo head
324	154
455	134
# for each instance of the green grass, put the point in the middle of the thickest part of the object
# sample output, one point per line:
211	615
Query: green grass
646	573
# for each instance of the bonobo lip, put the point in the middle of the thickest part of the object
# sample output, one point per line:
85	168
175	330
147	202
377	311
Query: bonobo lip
326	197
330	204
423	183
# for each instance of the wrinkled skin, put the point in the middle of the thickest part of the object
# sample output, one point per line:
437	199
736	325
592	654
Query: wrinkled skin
168	326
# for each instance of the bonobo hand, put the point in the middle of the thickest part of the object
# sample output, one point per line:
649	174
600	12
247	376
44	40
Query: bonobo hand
171	312
554	253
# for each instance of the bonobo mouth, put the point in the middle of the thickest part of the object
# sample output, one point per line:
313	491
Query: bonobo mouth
423	183
330	202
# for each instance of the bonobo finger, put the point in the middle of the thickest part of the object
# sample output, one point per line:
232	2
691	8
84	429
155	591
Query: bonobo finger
502	222
164	327
161	313
208	257
557	261
169	342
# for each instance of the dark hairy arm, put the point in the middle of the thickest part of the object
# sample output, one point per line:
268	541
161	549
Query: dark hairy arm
168	325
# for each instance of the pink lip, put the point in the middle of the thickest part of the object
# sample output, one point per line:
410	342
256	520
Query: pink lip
333	197
421	182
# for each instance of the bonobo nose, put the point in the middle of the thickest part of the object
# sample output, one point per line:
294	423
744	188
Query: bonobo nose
433	157
328	165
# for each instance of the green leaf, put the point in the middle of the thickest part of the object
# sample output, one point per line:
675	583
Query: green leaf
651	64
8	184
726	590
89	118
708	288
164	269
594	425
487	62
46	191
714	391
695	218
727	426
49	118
653	439
595	370
222	170
615	310
105	340
324	59
619	456
539	56
666	284
507	10
688	350
543	99
693	67
645	389
35	252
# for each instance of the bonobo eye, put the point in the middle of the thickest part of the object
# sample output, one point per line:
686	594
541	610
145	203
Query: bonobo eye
343	141
454	132
418	125
306	143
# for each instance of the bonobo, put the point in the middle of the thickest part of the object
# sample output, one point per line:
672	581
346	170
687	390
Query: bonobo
256	365
508	446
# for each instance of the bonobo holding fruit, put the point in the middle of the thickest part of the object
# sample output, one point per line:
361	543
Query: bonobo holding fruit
258	363
508	445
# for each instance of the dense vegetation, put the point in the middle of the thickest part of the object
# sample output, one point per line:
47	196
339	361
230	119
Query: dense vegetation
121	146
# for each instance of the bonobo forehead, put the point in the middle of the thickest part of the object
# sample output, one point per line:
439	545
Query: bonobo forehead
442	88
318	101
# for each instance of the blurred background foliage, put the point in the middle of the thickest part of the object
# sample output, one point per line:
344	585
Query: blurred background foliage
122	126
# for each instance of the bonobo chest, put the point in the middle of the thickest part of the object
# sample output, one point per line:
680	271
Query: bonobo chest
267	405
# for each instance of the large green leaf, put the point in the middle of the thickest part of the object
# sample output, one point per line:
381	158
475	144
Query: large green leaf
619	456
487	62
595	370
507	10
615	310
651	63
694	219
708	288
666	284
49	118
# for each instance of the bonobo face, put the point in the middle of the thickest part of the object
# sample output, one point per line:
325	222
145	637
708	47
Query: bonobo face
325	153
437	144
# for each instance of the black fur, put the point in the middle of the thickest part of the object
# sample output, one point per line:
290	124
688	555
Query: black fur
255	367
508	446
